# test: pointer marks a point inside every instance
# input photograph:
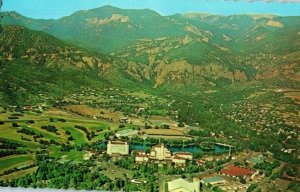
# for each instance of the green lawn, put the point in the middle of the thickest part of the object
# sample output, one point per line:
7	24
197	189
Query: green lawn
14	161
19	174
66	156
7	132
45	133
78	135
100	136
100	126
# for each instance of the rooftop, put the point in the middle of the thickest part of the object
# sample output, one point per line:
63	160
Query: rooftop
237	171
179	158
118	142
183	184
183	153
213	179
138	155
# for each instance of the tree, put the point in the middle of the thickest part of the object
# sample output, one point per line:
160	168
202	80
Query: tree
251	188
166	126
180	124
242	180
294	186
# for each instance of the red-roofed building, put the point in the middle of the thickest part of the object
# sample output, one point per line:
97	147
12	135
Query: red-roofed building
234	171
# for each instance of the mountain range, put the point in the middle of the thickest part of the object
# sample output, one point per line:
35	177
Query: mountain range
197	50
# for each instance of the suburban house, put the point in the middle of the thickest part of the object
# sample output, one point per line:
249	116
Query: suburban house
200	162
117	148
124	120
182	185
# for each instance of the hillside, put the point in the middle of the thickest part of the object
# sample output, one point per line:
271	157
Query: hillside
38	66
191	49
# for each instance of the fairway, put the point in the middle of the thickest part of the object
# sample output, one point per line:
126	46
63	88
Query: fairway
19	174
14	161
78	135
66	156
46	134
10	134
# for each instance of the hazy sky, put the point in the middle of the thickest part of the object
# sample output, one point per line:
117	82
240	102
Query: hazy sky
58	8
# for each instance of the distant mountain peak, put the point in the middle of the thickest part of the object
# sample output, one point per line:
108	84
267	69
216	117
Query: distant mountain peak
107	8
115	18
259	16
192	15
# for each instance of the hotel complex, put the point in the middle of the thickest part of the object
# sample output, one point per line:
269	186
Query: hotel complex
158	153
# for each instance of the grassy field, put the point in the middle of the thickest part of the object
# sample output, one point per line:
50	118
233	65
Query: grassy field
66	156
87	111
63	121
10	134
45	133
14	161
79	136
19	174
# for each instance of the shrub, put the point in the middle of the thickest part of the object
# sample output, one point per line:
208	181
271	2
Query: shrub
62	120
166	126
30	122
15	125
13	117
181	124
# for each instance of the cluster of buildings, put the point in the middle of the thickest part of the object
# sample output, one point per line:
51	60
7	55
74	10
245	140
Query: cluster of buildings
158	153
226	181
